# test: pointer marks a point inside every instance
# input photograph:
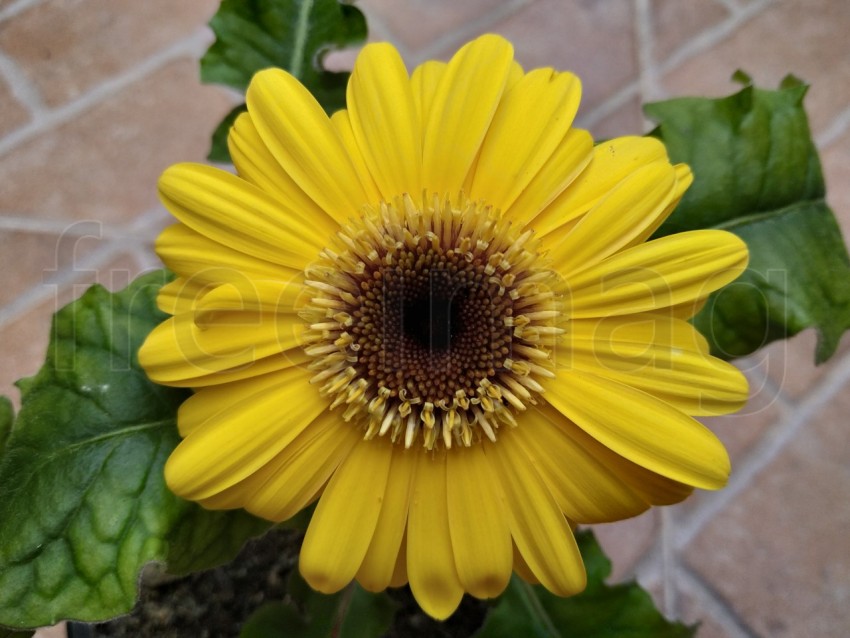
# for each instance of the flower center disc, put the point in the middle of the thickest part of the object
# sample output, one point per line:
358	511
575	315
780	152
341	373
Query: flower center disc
431	320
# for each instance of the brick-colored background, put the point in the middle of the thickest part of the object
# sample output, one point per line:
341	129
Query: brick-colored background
98	96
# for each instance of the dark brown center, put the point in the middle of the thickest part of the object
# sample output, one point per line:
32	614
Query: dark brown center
432	324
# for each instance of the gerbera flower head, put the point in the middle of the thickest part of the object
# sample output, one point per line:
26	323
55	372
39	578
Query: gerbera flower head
437	312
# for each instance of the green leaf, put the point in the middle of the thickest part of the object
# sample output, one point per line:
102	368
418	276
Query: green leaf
601	611
368	615
757	174
7	417
83	503
352	613
295	35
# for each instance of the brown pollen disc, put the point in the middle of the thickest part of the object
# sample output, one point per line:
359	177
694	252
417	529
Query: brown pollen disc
431	320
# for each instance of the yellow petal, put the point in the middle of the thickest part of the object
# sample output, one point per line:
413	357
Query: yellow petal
255	163
342	123
517	146
296	476
623	214
424	82
231	211
463	107
345	518
571	157
399	578
684	178
585	489
430	560
633	350
515	74
379	564
242	438
646	486
299	135
522	569
202	261
178	350
640	428
180	295
612	162
478	523
259	367
385	122
664	272
537	524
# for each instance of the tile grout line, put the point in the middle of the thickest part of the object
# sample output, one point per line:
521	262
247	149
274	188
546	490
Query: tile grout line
768	448
669	568
17	7
470	29
127	239
721	612
43	226
21	87
38	293
647	71
609	106
190	46
731	5
713	35
835	129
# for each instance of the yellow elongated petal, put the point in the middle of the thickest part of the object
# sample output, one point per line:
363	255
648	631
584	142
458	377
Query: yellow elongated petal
385	121
684	178
689	380
481	538
202	261
537	524
208	403
522	569
379	564
236	496
299	135
570	158
516	146
239	440
641	428
646	486
399	578
430	559
424	82
342	123
664	272
515	74
178	350
255	163
345	518
180	295
265	365
623	214
249	296
630	330
217	306
231	211
296	476
585	489
611	163
459	116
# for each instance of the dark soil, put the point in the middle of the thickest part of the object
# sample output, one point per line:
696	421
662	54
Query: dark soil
215	603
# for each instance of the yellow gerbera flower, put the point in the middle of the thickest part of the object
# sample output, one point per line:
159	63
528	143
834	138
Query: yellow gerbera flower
437	313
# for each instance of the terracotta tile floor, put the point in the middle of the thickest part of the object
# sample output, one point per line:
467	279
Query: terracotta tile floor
97	97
